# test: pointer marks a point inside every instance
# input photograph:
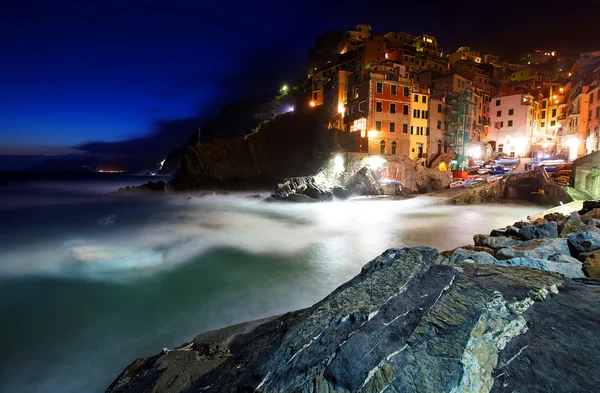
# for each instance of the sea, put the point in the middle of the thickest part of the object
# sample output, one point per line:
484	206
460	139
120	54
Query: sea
91	279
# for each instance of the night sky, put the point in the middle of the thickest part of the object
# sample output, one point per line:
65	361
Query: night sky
74	72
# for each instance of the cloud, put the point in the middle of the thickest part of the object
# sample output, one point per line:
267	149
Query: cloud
253	75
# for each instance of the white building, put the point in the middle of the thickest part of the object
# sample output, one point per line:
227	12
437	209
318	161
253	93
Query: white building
513	124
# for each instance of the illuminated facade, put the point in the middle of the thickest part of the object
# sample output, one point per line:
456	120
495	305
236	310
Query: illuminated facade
437	126
513	122
593	128
419	124
378	110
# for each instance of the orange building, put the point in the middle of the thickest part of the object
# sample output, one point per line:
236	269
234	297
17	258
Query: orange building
379	109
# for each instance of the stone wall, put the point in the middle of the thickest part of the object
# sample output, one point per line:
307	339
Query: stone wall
526	186
586	174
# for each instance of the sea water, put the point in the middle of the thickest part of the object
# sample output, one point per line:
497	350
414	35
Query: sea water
91	280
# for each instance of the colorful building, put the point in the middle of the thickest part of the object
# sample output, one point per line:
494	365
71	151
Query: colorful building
378	112
513	123
419	124
437	126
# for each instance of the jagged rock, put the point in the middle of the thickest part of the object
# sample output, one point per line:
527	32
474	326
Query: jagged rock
300	198
547	229
498	242
555	217
551	249
570	225
571	268
584	241
404	324
479	238
461	255
591	263
290	188
594	213
508	231
340	192
363	183
521	224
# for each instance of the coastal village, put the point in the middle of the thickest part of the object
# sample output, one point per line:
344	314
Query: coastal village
398	93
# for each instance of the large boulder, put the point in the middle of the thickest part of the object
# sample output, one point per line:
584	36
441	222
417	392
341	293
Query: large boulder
544	230
406	323
461	255
591	263
363	183
569	268
498	242
570	225
584	241
549	249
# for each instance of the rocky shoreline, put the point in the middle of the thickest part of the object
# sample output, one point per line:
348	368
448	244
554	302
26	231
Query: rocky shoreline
514	312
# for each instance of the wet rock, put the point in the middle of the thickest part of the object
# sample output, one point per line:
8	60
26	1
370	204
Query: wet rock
340	192
554	249
498	242
508	231
570	225
461	255
555	217
479	238
363	183
591	263
404	324
569	267
300	198
547	229
584	241
521	224
594	213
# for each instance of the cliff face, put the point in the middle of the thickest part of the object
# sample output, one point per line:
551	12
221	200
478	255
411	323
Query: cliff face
471	320
294	144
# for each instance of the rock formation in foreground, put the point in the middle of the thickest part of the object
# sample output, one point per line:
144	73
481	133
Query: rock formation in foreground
494	317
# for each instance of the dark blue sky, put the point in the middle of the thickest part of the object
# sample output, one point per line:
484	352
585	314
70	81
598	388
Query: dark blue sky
73	72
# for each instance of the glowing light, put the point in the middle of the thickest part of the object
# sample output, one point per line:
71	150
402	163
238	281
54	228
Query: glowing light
290	109
569	74
524	99
340	108
338	164
313	104
474	152
520	144
572	143
554	96
372	133
375	162
561	89
386	56
284	88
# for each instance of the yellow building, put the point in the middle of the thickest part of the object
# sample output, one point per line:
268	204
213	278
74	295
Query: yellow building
419	124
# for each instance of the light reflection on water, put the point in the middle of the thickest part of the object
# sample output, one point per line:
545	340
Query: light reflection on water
84	295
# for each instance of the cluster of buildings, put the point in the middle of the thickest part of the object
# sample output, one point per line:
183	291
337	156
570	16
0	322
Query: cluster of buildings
398	93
